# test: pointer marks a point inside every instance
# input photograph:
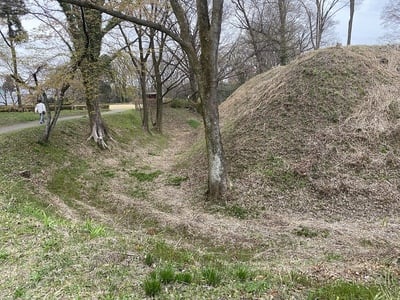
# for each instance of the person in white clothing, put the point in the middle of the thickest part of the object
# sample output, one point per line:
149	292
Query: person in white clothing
40	108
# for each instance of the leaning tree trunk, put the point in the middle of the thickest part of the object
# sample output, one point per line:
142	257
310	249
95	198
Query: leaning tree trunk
98	129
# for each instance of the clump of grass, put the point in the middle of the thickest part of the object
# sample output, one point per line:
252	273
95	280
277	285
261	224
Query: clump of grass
346	291
184	277
108	173
211	276
94	230
152	286
176	180
242	273
143	176
162	251
237	211
167	274
194	123
149	259
3	254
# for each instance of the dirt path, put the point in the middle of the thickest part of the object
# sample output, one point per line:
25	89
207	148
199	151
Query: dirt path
32	124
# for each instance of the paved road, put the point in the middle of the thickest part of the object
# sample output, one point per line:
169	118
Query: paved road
20	126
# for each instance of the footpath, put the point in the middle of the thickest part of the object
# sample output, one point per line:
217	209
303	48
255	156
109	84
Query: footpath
15	127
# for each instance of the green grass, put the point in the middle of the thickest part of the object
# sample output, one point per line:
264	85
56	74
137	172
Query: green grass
144	176
10	118
194	123
341	290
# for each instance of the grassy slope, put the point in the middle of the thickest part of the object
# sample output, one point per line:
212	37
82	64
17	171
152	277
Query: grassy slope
321	133
86	224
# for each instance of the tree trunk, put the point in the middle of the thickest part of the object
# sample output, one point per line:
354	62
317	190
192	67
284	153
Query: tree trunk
143	89
15	72
207	75
158	80
283	43
350	28
90	75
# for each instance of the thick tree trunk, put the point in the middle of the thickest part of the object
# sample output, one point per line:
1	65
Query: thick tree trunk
217	176
98	129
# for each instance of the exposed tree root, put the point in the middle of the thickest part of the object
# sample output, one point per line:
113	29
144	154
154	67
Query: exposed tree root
99	135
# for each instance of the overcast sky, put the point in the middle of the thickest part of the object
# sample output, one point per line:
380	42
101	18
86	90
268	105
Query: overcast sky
367	27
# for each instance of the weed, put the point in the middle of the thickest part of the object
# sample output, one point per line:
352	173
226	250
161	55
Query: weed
256	287
138	192
142	176
152	286
170	254
211	276
19	292
333	257
176	180
194	123
108	173
51	244
237	211
94	230
184	277
149	259
242	273
298	278
344	291
4	254
167	274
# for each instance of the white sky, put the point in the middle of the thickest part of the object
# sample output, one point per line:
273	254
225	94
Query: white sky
367	27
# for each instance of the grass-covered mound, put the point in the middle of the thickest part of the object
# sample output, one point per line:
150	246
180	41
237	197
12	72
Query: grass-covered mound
320	135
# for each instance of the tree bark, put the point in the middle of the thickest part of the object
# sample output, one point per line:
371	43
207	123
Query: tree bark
350	28
209	33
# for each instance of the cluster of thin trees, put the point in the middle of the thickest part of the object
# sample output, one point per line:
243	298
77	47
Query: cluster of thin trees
86	49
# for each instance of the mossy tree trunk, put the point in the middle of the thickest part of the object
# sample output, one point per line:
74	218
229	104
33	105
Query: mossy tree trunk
86	32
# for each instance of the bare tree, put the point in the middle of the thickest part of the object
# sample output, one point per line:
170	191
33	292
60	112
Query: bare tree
391	19
8	88
11	12
273	28
204	66
320	15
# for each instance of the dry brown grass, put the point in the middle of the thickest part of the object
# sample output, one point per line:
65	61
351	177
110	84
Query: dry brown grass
319	136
